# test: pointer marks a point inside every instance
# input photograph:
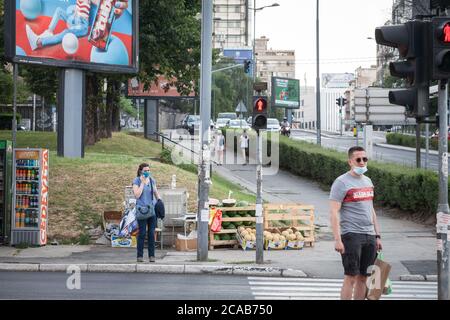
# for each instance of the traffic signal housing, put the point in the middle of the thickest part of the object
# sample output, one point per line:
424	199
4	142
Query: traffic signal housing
412	41
440	36
247	64
260	113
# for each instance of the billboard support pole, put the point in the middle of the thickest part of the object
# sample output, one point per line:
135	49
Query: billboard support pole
71	111
14	122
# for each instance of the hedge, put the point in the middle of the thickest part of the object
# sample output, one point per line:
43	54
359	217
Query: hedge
396	186
404	140
6	120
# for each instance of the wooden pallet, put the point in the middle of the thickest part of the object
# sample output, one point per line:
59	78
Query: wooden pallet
216	243
300	216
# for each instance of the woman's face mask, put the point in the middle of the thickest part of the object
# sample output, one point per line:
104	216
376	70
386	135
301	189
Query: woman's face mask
146	174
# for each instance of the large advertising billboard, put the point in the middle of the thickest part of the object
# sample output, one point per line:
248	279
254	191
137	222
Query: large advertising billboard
159	89
285	93
99	35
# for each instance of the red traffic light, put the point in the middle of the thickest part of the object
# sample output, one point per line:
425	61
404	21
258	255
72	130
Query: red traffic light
260	105
446	33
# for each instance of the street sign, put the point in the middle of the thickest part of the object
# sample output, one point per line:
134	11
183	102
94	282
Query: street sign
241	107
372	106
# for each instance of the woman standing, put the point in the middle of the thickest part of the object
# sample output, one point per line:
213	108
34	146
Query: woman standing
144	188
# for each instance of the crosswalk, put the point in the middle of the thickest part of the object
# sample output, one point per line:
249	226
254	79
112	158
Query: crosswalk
270	288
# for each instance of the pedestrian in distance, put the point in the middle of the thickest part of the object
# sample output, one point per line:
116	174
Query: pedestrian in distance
219	146
244	146
354	223
146	193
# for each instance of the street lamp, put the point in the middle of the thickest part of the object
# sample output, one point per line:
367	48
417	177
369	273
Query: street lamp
254	32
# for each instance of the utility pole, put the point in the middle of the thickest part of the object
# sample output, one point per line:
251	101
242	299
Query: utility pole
318	124
205	113
14	122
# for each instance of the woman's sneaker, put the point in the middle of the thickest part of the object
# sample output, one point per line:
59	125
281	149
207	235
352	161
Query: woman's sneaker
140	259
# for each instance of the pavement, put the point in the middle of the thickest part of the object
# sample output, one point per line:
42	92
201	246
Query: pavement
410	247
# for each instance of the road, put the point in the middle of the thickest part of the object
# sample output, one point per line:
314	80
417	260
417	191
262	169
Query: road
402	157
127	286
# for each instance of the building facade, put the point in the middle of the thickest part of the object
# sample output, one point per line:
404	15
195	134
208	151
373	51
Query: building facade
273	63
232	24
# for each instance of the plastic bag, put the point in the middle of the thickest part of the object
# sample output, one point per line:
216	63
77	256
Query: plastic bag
216	224
129	225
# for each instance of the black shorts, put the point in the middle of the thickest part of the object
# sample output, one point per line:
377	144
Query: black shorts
360	253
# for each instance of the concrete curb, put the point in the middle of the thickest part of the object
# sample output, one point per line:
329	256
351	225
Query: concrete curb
394	147
419	277
157	268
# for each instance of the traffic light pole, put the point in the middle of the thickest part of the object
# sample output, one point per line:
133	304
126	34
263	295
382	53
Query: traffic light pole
443	215
259	211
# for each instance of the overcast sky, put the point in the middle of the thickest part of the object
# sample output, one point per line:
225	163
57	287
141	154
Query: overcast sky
344	27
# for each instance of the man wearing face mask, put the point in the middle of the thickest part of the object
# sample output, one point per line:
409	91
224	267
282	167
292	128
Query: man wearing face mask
355	226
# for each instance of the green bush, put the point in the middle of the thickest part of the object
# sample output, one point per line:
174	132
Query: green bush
404	140
6	120
395	186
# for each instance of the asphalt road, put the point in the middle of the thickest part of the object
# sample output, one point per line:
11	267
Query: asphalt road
134	286
402	157
127	286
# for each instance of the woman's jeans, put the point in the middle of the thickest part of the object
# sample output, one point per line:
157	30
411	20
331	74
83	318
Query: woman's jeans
146	226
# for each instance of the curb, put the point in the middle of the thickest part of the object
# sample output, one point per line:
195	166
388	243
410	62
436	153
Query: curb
419	277
394	147
156	268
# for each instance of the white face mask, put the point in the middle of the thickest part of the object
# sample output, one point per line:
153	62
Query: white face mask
360	170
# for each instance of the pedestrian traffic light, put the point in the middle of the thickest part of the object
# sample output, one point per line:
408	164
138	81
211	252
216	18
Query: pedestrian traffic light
412	41
247	64
440	64
260	113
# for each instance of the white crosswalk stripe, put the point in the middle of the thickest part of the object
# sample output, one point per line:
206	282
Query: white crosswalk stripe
271	288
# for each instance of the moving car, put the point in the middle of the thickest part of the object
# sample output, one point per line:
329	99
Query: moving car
273	125
239	124
189	122
227	115
223	122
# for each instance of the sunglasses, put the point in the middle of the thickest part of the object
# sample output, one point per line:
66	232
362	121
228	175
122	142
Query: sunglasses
361	159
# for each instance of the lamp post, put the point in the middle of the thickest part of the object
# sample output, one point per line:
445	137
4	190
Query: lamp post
254	32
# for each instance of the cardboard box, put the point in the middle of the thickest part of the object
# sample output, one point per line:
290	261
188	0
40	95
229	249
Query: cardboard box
275	245
123	242
186	244
295	245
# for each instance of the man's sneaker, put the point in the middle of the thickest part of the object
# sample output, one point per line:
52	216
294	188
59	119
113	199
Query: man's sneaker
151	259
140	259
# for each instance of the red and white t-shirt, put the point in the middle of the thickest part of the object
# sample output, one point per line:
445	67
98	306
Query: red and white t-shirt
356	196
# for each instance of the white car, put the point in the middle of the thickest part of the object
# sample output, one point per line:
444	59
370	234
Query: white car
273	125
239	124
222	122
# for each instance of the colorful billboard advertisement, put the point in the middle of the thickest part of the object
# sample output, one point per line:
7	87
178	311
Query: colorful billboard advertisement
99	35
161	89
285	93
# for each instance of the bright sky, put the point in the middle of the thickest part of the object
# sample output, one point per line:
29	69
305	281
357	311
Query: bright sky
344	28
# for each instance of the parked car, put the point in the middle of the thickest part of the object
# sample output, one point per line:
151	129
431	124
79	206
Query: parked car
189	122
239	124
227	115
273	125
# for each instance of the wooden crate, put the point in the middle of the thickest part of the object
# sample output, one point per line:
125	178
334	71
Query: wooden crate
215	243
300	216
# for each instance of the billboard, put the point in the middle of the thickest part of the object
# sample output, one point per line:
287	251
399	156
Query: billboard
337	80
285	93
159	89
98	35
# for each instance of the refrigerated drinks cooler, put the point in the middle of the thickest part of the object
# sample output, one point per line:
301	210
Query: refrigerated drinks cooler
30	199
6	159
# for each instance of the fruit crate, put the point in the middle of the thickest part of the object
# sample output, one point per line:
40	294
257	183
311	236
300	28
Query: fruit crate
301	217
215	243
